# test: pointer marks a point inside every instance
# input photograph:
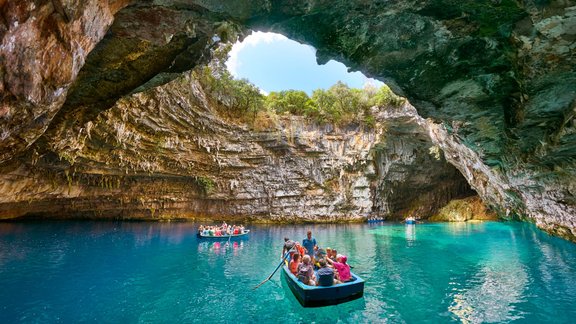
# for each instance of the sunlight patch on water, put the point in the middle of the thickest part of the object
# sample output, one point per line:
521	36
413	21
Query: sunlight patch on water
491	294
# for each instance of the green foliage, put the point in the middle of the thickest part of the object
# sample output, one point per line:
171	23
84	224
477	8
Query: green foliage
369	121
338	105
435	151
207	185
240	97
292	101
385	97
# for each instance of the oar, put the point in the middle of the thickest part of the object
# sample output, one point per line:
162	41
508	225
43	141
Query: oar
278	267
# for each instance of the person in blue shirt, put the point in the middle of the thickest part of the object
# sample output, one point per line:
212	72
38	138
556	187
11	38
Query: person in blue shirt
309	243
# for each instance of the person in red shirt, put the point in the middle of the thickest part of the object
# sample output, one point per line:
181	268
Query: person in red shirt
293	266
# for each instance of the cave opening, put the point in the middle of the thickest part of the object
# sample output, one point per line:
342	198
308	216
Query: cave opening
276	63
410	176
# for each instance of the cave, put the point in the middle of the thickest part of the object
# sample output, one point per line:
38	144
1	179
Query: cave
96	98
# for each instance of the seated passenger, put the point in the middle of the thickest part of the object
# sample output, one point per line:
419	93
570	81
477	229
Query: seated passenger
294	263
342	267
306	271
320	254
333	255
326	275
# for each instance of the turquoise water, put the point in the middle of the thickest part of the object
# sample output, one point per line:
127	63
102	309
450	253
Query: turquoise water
112	272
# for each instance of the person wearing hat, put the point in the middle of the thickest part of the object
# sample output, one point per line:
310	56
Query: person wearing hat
342	267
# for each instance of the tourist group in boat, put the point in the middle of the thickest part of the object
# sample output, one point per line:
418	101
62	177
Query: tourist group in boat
222	230
314	266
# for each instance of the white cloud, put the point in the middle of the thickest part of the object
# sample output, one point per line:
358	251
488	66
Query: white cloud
254	39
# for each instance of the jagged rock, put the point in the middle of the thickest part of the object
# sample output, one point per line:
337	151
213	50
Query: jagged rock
43	46
413	178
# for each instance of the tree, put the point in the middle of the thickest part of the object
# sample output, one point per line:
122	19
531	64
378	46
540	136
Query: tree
240	96
385	97
293	101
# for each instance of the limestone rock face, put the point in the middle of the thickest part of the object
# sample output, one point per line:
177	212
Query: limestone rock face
43	46
495	78
462	210
167	152
413	178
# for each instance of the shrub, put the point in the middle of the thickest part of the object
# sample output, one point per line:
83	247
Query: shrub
206	185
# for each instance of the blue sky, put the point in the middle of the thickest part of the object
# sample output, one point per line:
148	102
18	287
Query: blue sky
275	63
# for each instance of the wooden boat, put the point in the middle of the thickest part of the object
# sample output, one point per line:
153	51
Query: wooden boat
410	221
314	296
225	237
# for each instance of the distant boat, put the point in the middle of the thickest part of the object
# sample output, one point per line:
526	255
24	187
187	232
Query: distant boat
375	220
200	235
410	221
314	296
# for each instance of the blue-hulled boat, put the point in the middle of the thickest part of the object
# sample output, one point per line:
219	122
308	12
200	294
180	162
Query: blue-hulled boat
314	296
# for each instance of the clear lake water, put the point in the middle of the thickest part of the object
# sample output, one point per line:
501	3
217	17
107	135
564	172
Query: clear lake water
146	272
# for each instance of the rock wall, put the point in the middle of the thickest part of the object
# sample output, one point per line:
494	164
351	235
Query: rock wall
462	210
412	176
496	76
43	46
169	152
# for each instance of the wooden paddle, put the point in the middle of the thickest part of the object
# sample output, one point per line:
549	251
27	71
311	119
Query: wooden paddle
278	267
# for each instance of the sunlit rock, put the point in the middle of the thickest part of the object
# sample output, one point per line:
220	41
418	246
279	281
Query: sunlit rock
461	210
